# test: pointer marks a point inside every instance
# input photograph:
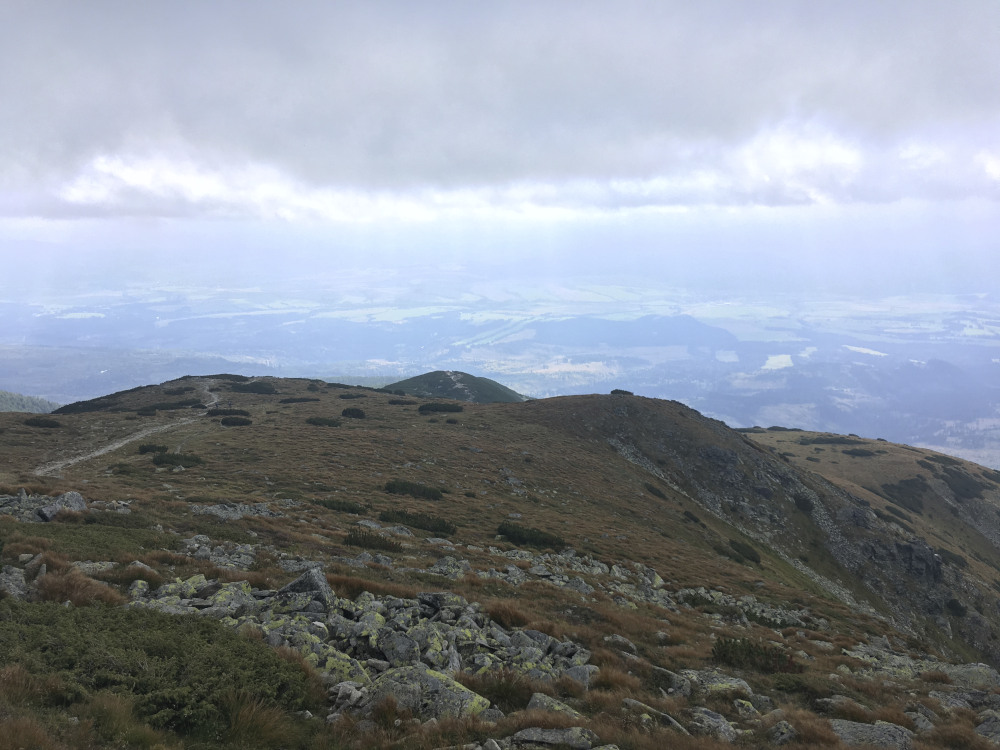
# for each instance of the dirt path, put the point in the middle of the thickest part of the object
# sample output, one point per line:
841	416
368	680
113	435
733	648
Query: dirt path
54	467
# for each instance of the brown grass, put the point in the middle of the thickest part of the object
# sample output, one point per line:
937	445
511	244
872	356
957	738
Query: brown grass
20	687
114	722
507	613
611	678
24	545
936	677
25	732
317	691
76	588
814	731
253	722
956	736
350	587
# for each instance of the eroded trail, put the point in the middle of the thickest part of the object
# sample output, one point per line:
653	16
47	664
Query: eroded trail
54	467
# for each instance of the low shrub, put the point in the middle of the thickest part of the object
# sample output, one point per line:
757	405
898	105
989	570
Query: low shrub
323	422
423	521
177	459
369	540
235	421
527	535
343	506
257	386
298	400
72	586
505	688
745	551
173	405
655	491
180	391
228	413
758	657
47	422
351	395
414	489
353	412
152	448
621	392
439	407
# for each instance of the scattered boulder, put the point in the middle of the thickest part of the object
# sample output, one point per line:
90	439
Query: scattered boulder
426	692
574	738
879	734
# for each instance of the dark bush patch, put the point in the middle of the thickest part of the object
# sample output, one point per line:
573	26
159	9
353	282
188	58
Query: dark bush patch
352	395
178	391
527	535
343	506
655	491
953	557
898	513
298	400
804	503
423	521
907	493
745	551
829	440
353	412
944	460
414	489
688	515
323	421
955	608
152	448
743	653
228	413
964	486
146	412
230	377
859	453
173	405
235	421
257	386
621	392
439	407
42	422
177	459
368	540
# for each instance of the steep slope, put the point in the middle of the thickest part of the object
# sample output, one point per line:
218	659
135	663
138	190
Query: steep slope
599	549
460	386
16	402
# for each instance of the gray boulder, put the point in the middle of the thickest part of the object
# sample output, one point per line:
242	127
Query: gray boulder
879	734
12	582
427	693
707	722
781	733
67	501
575	738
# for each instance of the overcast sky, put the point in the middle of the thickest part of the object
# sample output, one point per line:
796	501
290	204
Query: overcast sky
698	134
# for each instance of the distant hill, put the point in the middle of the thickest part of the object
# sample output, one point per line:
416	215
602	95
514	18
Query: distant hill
460	386
16	402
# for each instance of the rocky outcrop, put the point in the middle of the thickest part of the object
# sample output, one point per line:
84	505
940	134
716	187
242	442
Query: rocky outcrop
40	508
879	734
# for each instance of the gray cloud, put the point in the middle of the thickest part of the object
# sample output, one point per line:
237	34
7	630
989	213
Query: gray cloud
316	109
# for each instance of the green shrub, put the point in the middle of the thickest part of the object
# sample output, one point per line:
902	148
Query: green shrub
688	515
804	503
257	386
178	391
527	535
173	405
439	407
228	413
745	551
152	448
235	421
177	459
859	452
146	412
229	377
621	392
323	421
353	412
655	491
344	506
953	557
423	521
368	540
962	485
908	493
414	489
42	422
955	608
179	669
351	395
743	653
298	400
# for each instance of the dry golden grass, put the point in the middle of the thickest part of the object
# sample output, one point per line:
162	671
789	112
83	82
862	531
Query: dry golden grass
254	722
24	732
953	736
506	612
813	730
936	678
76	588
613	679
114	722
349	587
20	544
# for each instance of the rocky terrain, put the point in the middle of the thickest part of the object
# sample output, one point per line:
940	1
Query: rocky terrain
578	572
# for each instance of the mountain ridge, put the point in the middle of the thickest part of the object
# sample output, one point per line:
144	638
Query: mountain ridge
650	517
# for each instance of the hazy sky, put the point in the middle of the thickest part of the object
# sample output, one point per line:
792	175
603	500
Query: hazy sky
813	139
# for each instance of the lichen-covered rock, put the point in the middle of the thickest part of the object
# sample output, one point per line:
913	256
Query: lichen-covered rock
12	582
879	734
543	702
781	733
426	692
715	681
711	724
575	738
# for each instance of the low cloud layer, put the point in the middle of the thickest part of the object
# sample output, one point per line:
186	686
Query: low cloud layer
366	111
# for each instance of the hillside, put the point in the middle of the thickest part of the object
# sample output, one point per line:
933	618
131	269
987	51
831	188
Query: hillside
459	386
566	572
31	404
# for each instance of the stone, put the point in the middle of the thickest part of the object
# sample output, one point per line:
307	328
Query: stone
72	501
989	726
711	724
781	733
574	738
880	734
13	583
427	693
582	673
621	643
663	718
543	702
